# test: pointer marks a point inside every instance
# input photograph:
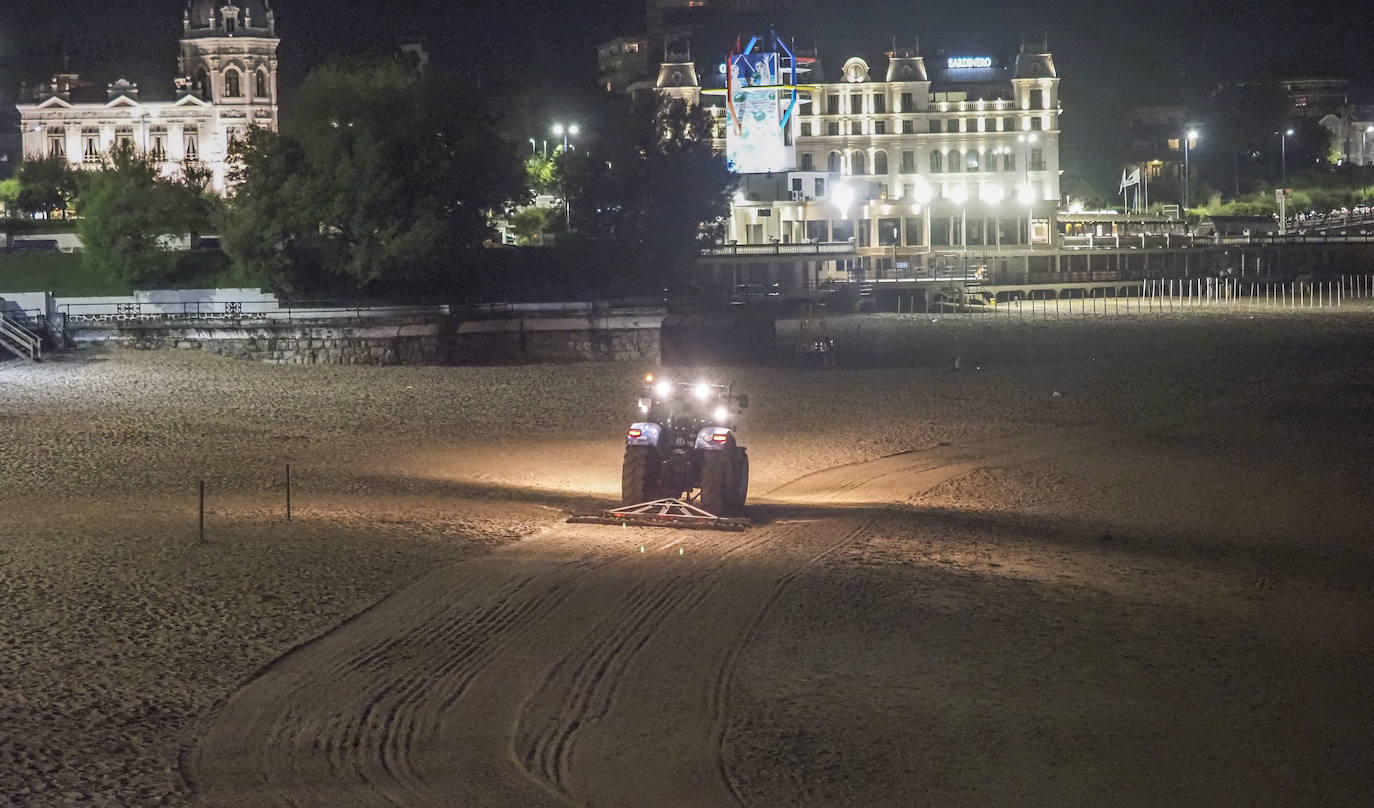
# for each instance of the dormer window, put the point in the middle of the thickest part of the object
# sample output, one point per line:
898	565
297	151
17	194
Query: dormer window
229	25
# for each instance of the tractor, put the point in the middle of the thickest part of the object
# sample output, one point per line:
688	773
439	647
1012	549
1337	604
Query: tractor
685	442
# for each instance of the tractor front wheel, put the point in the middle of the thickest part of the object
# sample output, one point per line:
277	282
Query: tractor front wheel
718	481
639	475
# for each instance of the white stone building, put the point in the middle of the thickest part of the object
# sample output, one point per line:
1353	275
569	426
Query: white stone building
227	83
903	169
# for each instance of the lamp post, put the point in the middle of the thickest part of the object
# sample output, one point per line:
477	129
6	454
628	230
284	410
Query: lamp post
1188	138
1026	197
958	194
842	195
1363	134
1025	141
1283	154
565	132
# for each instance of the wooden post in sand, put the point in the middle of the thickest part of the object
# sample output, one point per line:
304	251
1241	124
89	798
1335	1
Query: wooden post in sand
288	492
202	510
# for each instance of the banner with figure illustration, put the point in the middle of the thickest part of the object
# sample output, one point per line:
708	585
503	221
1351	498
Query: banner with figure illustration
753	143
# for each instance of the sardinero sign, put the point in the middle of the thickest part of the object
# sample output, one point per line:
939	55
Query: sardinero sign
955	62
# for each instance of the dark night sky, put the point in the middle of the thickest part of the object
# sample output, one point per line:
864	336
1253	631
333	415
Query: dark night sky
1107	53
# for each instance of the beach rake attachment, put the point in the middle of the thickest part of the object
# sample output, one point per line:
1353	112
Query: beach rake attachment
669	512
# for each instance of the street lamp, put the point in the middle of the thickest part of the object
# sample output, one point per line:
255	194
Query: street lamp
1026	196
958	194
1024	140
1283	154
565	132
1188	138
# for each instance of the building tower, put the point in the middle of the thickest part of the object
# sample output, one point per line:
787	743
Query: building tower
228	59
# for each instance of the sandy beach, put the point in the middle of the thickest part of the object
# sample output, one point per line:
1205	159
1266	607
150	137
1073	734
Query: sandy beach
1117	559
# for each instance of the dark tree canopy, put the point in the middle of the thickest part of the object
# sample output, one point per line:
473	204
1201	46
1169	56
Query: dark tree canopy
46	184
129	212
379	176
646	185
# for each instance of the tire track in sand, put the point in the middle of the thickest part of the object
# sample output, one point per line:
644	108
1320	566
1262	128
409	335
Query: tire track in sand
544	674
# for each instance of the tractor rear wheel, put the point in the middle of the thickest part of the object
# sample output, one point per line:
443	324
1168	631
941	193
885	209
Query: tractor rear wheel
639	475
740	491
718	481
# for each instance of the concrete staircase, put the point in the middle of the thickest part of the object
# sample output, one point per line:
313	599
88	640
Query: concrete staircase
19	340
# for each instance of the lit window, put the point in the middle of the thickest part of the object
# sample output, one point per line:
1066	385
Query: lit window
231	84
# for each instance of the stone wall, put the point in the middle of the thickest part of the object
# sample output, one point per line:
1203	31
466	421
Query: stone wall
438	341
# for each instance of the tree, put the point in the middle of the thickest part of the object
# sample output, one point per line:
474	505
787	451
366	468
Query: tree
9	195
129	211
528	224
196	176
46	184
648	185
539	174
377	178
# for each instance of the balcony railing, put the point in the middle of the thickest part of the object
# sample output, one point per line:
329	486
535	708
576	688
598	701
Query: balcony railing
808	248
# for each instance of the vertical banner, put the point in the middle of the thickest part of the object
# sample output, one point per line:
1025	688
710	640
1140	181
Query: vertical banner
755	146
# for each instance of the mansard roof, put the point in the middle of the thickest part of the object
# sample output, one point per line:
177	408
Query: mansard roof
204	18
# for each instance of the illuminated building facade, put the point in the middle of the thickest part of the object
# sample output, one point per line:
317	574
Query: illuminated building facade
905	169
227	83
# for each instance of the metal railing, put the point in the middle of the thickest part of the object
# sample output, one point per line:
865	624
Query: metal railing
234	311
19	340
809	248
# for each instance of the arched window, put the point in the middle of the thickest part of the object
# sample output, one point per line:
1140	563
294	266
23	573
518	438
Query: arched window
832	163
231	83
937	162
972	158
880	163
954	161
856	163
260	85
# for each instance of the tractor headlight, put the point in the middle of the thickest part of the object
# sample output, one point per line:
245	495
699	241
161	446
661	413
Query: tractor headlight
722	415
662	389
702	391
